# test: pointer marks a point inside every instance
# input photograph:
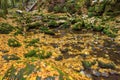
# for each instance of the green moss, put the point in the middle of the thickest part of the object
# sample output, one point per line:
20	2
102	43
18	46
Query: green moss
52	24
87	25
42	54
97	28
13	43
33	42
10	73
38	53
33	25
5	28
110	32
18	31
77	26
87	64
46	30
10	57
106	65
31	53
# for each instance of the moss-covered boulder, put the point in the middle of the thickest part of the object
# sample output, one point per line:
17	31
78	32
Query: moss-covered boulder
13	43
10	57
46	30
78	26
5	28
109	65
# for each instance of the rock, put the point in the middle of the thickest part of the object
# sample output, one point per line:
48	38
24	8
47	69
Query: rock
60	57
64	50
86	74
10	57
50	78
4	51
96	73
113	72
104	74
19	11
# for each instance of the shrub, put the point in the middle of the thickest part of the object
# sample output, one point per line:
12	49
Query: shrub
13	43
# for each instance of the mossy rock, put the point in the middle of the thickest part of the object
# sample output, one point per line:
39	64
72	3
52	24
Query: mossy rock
110	32
91	9
46	30
18	31
98	28
99	8
88	25
88	64
38	53
10	57
77	26
34	25
42	54
5	28
13	43
53	24
109	65
31	53
65	25
33	42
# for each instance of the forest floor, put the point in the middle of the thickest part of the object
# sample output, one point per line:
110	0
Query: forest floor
76	55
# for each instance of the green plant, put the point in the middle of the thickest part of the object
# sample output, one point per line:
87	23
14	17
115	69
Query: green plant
13	43
5	28
106	65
